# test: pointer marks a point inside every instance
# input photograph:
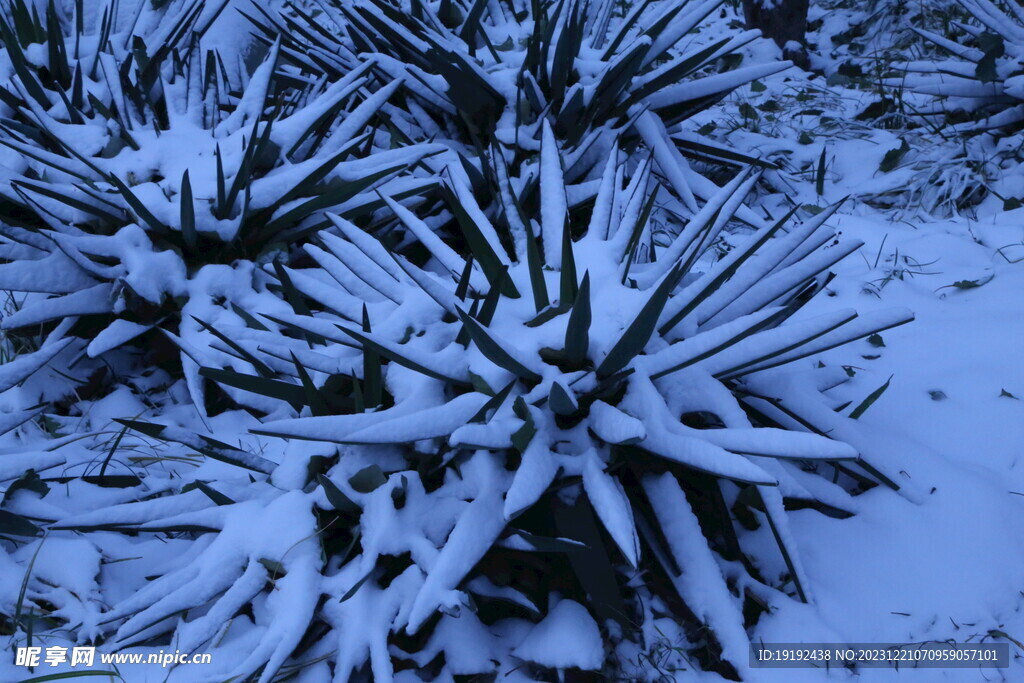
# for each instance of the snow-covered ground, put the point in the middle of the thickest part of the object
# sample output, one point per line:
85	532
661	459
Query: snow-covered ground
945	562
950	566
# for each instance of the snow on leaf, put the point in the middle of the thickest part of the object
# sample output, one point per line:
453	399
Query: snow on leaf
474	534
613	426
114	335
533	476
425	424
53	274
668	439
96	299
701	584
568	637
612	507
553	210
13	465
13	372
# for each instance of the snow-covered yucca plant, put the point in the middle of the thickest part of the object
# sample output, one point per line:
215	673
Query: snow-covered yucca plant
984	78
69	54
147	182
484	77
520	454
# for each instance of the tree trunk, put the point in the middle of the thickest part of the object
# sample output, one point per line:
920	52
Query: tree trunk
784	21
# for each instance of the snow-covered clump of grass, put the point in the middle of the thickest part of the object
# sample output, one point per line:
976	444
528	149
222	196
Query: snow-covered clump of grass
557	430
981	85
483	79
855	38
147	180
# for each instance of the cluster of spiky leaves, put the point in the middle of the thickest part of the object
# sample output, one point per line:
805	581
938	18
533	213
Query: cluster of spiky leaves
149	180
563	429
512	410
483	77
981	87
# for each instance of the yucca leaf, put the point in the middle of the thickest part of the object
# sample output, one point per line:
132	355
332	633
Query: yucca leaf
333	196
26	25
342	503
74	116
260	367
561	400
522	437
674	73
101	213
511	207
188	214
490	305
496	351
566	48
243	176
777	343
358	396
320	126
638	230
736	260
537	284
616	78
842	334
395	354
115	117
138	208
711	151
15	371
819	183
471	24
373	382
211	493
553	204
186	21
577	331
368	479
568	284
547	544
12	524
21	65
592	566
759	323
611	503
771	500
493	404
870	400
624	28
204	445
463	338
473	96
571	116
57	51
313	398
701	582
462	287
635	337
52	160
104	37
479	247
293	394
290	292
249	319
221	209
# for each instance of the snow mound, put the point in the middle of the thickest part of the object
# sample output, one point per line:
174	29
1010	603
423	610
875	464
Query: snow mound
566	638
